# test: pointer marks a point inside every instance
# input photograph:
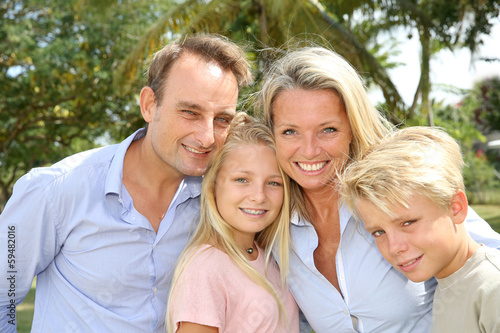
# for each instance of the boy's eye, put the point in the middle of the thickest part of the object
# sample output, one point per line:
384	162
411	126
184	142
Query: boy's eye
408	223
378	233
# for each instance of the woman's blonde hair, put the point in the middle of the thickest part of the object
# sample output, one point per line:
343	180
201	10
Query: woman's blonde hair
415	160
317	68
214	230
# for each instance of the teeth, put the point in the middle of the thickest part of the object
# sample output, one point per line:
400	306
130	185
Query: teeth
408	264
193	150
253	211
311	167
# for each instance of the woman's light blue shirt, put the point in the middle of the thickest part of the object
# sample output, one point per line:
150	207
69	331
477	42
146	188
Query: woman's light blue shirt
376	297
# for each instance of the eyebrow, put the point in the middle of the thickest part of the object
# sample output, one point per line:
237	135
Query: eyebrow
326	123
198	107
277	175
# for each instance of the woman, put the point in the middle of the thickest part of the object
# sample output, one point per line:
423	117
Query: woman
319	112
226	280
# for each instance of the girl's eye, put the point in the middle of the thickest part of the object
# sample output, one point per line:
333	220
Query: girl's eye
378	233
330	130
274	184
288	132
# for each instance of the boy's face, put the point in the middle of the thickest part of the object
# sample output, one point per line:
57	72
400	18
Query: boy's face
422	241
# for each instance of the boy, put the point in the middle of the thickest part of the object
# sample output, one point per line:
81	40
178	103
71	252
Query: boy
409	192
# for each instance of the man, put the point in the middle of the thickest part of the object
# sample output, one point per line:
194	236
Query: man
102	229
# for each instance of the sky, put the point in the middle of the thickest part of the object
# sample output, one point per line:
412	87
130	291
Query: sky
448	68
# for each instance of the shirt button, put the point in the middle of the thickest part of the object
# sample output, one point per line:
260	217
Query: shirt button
155	290
345	311
342	277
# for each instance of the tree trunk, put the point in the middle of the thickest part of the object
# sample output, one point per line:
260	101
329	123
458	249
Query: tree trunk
425	42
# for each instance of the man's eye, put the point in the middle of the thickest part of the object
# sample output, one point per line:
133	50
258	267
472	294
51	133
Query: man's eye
378	233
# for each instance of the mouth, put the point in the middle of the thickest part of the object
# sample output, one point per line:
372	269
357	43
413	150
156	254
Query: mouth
409	264
195	151
311	166
255	212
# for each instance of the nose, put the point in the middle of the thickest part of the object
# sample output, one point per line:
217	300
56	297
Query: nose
204	133
258	193
310	146
396	243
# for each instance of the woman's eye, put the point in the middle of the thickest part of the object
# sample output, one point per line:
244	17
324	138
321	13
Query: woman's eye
241	180
274	184
330	130
288	132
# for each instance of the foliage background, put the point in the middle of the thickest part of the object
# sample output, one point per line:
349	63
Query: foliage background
71	71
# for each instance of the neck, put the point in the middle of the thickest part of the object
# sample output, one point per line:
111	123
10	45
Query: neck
322	205
141	165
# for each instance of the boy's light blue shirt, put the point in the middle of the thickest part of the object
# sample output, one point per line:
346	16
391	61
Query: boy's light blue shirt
100	265
374	294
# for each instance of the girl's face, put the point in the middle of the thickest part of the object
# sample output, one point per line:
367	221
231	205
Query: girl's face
249	190
312	134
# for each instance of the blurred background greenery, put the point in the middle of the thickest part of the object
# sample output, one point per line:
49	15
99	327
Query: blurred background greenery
71	71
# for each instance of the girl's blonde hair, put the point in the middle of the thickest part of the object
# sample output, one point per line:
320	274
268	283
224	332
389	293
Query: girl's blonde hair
214	230
317	68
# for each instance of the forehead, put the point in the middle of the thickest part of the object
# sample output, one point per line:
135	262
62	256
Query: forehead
251	157
312	104
199	82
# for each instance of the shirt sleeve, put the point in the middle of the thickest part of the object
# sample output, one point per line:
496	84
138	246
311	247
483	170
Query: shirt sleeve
200	294
481	231
489	307
29	243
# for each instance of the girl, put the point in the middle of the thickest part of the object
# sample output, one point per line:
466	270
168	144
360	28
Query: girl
226	280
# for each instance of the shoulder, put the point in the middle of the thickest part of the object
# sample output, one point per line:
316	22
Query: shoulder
209	260
489	263
73	165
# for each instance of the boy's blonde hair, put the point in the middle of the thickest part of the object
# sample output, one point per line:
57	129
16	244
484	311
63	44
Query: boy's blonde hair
214	230
415	160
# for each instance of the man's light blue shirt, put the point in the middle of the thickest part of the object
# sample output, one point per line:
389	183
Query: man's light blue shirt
100	265
375	296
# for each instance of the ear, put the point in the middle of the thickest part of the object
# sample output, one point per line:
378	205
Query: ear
459	207
147	103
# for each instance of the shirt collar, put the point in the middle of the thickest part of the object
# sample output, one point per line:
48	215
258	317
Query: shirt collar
344	215
190	187
114	178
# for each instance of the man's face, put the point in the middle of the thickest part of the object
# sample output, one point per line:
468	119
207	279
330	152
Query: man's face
191	122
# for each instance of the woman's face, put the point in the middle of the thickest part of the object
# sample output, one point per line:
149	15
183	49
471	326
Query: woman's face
312	135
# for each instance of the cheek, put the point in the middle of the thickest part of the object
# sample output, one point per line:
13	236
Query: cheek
382	247
220	133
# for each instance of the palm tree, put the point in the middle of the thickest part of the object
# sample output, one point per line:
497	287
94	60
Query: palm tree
269	24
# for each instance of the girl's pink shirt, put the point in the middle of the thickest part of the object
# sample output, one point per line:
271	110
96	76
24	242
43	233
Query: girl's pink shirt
213	291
